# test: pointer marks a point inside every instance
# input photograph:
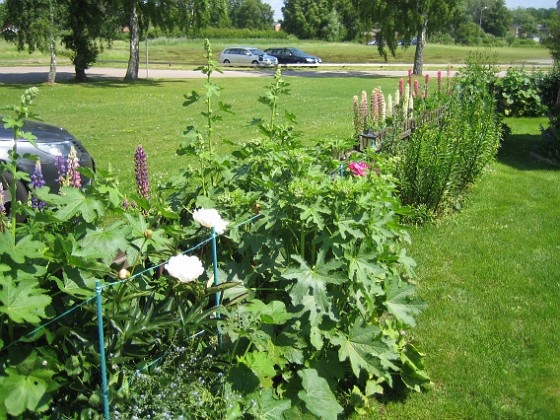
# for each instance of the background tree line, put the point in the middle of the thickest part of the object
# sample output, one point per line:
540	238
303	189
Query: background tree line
84	27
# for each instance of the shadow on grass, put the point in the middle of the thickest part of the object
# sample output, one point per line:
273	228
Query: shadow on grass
526	152
94	82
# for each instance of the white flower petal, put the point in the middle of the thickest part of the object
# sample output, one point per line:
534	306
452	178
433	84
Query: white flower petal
210	218
184	268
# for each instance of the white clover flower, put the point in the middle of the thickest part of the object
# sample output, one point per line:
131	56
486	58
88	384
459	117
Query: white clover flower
184	268
210	218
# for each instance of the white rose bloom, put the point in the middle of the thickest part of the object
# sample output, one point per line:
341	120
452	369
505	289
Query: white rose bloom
184	268
210	218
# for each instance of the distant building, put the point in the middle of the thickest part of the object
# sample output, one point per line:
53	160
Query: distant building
278	26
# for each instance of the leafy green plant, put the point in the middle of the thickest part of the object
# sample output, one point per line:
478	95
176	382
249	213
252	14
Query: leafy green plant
443	157
325	267
518	94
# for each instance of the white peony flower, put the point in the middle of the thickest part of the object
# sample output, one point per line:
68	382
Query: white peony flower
184	268
210	218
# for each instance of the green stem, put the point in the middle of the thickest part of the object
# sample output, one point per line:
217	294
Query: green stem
13	186
302	240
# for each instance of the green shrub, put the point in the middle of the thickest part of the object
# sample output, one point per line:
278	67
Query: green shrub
518	94
322	266
549	84
443	157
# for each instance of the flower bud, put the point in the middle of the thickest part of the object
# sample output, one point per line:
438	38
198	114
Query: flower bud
124	274
148	233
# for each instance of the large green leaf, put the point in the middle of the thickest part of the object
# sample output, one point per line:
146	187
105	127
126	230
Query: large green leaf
18	251
311	215
268	407
317	395
402	301
272	313
23	301
21	392
412	372
365	350
310	289
72	202
263	366
361	267
104	241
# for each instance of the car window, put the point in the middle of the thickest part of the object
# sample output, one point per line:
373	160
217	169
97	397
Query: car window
256	51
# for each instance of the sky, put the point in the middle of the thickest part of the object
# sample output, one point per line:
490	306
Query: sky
510	4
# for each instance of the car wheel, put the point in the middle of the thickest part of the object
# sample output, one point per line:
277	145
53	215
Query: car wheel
255	63
227	61
22	194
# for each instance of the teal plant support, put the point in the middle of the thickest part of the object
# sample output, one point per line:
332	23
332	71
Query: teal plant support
215	264
104	390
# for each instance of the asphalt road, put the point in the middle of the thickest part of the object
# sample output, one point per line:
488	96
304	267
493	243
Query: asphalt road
38	74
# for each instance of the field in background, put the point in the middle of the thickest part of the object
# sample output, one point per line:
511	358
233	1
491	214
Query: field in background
189	52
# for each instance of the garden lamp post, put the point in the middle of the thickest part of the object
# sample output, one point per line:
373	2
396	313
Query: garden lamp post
480	17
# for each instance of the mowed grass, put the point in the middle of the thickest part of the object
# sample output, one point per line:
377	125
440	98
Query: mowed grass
491	277
112	118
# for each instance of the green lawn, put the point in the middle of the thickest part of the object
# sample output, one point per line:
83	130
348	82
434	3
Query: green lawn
112	119
491	276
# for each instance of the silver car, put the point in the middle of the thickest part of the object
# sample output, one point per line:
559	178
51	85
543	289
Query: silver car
247	56
52	143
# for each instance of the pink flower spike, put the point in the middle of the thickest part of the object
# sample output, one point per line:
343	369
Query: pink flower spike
358	168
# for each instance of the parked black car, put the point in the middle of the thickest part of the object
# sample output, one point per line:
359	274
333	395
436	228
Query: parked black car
52	142
292	56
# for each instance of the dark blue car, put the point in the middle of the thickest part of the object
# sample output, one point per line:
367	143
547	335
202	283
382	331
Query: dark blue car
292	56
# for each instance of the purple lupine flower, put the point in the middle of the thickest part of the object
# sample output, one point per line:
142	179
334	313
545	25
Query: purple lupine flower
141	169
61	164
125	204
2	208
73	176
37	181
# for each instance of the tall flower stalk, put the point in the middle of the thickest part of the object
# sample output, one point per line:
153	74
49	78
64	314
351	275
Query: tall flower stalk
21	113
141	170
73	176
37	181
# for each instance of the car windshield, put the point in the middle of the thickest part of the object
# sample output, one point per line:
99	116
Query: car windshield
295	51
256	51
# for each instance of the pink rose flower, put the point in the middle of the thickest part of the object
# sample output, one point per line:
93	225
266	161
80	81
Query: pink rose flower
358	168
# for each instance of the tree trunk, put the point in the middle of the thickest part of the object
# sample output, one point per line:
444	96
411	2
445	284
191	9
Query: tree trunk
80	74
134	57
419	52
52	69
51	78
